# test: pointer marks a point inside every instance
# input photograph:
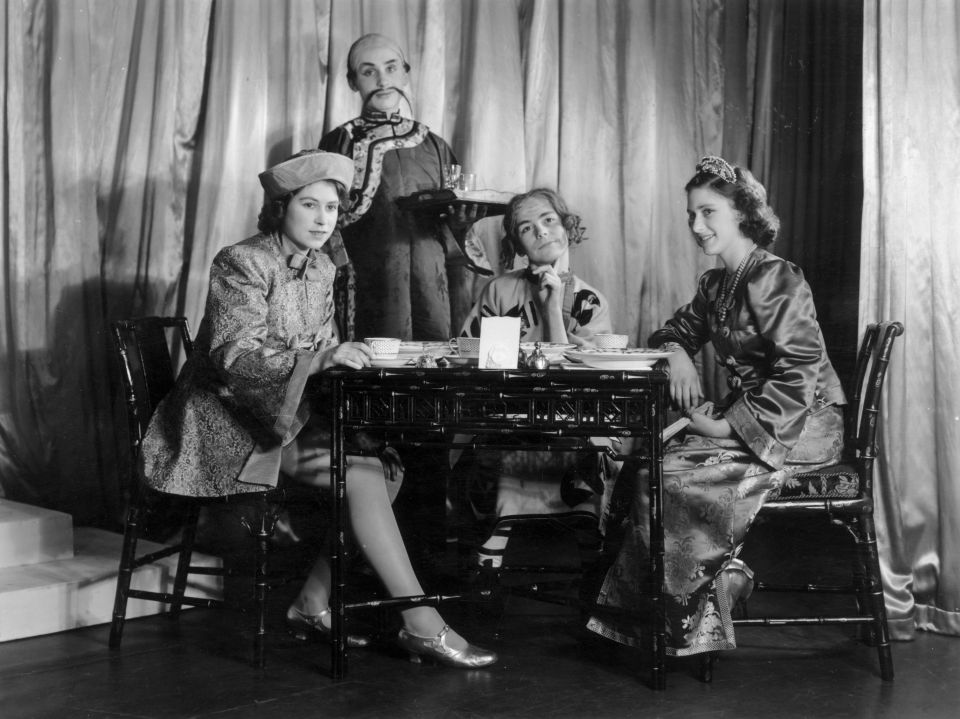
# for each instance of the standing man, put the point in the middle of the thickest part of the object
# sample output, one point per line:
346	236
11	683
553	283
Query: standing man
400	257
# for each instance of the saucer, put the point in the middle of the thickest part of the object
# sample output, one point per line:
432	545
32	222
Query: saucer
390	362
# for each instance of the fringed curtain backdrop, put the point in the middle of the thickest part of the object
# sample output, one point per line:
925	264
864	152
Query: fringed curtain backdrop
909	269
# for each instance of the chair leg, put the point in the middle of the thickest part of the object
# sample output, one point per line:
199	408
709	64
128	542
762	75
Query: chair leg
266	522
125	574
589	540
867	548
706	667
188	537
866	633
490	607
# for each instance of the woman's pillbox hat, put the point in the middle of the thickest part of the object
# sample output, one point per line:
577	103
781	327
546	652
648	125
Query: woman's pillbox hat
304	169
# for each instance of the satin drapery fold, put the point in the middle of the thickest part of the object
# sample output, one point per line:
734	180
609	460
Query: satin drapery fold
102	108
134	131
910	260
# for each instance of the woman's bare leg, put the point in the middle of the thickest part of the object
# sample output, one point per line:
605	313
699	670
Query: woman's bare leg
375	528
370	511
314	595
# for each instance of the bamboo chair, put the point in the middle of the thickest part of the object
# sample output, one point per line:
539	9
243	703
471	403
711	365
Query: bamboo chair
145	349
843	493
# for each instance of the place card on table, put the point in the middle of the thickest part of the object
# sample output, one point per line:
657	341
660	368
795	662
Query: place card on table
499	342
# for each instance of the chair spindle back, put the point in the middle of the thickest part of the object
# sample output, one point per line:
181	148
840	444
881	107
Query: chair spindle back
146	348
862	420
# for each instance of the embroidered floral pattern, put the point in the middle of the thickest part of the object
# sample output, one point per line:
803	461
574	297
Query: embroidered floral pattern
372	142
783	410
712	490
243	385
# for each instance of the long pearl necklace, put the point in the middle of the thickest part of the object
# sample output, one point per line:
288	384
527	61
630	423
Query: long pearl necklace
725	295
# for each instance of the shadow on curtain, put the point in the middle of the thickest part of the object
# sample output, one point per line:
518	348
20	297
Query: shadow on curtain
135	131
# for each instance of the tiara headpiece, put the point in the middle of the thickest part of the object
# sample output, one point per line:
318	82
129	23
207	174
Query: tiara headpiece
713	165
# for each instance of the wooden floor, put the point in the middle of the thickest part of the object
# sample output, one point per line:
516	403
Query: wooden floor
550	667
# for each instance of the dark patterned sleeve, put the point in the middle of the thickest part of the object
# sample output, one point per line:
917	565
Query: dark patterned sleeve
262	379
770	416
689	326
345	301
337	140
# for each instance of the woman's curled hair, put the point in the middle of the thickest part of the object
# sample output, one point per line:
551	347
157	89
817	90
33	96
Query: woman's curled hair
511	245
749	197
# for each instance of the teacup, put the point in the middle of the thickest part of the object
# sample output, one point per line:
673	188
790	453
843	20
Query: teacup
610	341
467	347
383	347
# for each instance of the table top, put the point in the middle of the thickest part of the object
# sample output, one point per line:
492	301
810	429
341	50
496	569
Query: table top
467	374
558	402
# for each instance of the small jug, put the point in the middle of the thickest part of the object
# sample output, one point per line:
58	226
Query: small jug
537	359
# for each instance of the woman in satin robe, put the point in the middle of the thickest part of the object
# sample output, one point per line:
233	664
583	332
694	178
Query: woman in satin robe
782	415
239	414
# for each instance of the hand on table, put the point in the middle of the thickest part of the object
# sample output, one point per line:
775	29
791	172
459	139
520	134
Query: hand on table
685	390
355	355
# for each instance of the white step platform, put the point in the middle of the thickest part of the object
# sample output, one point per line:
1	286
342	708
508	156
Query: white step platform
31	535
69	577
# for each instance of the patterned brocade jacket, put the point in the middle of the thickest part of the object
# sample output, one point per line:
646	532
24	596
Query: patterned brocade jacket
240	394
772	347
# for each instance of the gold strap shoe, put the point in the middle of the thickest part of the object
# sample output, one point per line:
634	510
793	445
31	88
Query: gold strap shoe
435	648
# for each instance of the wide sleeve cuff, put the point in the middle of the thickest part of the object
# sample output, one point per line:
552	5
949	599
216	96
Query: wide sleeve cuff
748	427
294	411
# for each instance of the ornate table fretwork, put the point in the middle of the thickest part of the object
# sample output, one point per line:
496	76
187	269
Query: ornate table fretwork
555	409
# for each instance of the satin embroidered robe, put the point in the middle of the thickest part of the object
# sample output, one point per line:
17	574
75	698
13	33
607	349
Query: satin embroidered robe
783	407
398	256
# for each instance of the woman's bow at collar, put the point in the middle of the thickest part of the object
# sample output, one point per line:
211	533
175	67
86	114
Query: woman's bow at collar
306	266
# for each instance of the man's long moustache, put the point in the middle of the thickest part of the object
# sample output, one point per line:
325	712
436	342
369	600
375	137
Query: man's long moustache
402	92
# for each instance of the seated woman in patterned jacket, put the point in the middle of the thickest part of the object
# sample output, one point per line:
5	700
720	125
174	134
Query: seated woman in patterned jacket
238	416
